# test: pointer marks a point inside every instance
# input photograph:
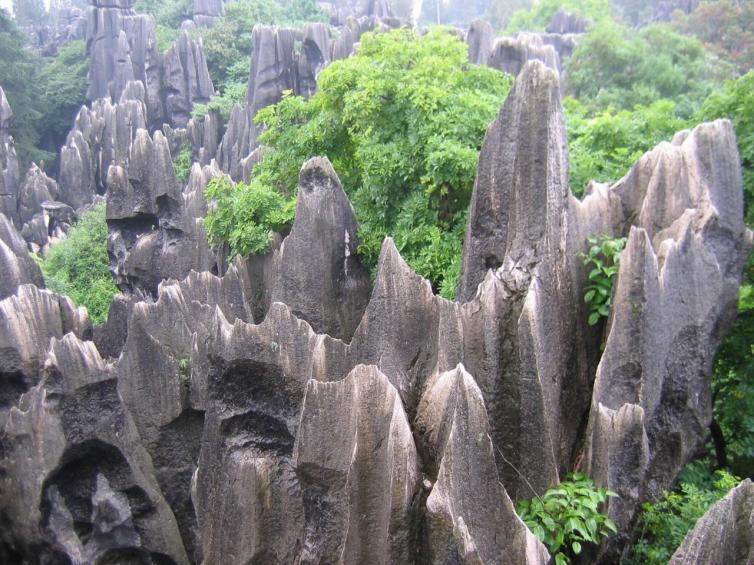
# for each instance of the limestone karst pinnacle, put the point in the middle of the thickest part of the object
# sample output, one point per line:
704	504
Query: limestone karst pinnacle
286	409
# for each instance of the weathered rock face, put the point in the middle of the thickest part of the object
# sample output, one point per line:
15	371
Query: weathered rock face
676	295
725	534
207	11
16	265
283	59
480	38
9	173
510	54
151	234
214	421
102	136
186	80
333	293
565	22
36	189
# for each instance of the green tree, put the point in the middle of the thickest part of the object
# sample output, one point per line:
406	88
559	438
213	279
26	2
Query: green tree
402	121
19	79
78	265
664	524
604	145
726	27
619	67
62	81
169	13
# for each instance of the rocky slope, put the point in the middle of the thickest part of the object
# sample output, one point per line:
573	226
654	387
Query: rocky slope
290	411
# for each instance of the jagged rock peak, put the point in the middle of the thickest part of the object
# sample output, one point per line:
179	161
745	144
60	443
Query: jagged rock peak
480	38
564	22
470	518
355	431
725	534
510	54
10	178
36	189
187	81
517	207
6	114
319	275
16	265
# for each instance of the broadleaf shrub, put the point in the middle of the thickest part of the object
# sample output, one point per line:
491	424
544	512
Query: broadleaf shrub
78	266
604	258
568	517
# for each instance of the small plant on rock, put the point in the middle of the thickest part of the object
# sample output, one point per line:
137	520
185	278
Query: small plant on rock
604	256
567	517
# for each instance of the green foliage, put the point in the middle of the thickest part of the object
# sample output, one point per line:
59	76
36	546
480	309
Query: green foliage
567	517
168	13
664	524
603	146
604	258
165	36
184	369
726	27
736	102
235	93
402	122
619	67
63	84
540	15
19	79
246	215
183	162
78	265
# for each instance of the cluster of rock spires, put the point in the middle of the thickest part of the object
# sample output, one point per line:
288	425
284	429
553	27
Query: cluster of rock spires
510	54
290	411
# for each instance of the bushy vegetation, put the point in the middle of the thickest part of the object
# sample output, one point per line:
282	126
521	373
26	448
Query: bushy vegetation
402	122
567	518
664	524
603	258
44	93
78	265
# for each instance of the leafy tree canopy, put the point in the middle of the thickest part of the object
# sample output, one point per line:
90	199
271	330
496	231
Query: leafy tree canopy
619	67
402	121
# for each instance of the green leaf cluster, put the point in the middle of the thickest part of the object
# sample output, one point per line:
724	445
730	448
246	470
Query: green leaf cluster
604	145
620	67
402	122
44	93
604	258
183	162
247	215
169	14
568	517
78	265
664	524
234	93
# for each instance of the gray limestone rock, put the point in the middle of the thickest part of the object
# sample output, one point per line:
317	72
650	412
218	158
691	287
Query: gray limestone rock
565	22
186	81
725	534
332	290
359	470
10	177
469	516
16	265
510	54
36	189
480	38
675	298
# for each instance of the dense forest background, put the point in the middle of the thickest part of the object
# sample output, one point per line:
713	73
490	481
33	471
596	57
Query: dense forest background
403	121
